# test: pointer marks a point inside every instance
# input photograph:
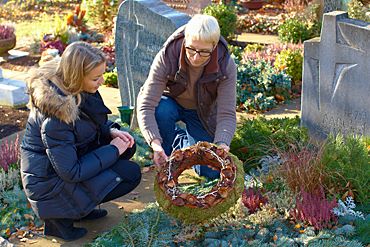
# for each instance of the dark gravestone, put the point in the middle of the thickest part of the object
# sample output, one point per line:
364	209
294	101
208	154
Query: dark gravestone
335	91
141	29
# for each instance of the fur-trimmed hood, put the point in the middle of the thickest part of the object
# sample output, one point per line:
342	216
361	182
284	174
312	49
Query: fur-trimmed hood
50	100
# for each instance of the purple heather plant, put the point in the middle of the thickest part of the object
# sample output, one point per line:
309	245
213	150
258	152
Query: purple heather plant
6	31
314	209
9	153
253	199
269	52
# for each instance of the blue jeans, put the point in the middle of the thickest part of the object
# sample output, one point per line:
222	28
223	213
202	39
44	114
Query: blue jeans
167	114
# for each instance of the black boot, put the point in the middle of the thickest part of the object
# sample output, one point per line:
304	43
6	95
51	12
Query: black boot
95	214
63	228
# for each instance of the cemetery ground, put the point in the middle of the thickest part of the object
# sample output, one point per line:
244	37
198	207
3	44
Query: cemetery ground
297	192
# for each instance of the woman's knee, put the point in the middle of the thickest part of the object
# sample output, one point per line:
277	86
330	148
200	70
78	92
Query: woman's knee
135	170
128	170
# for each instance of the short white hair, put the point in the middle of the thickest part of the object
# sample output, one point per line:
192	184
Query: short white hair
203	28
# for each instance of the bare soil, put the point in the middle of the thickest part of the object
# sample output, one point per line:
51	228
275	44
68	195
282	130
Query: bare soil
12	120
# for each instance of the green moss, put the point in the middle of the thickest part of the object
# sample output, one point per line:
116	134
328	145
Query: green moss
198	215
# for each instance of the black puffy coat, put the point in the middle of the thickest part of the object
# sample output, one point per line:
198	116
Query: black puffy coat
65	153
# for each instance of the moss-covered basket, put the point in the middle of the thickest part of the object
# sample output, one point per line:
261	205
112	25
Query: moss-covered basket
187	207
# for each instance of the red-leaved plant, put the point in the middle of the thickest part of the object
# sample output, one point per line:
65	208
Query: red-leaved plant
6	32
9	153
314	209
253	199
302	168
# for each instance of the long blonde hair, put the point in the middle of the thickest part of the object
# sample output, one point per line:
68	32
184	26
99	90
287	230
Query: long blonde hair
78	59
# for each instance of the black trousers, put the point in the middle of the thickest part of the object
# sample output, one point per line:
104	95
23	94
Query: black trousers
129	172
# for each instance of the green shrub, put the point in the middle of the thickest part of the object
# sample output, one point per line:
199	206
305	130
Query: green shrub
357	10
291	61
149	227
254	47
346	161
101	12
256	138
294	31
111	79
362	230
257	85
225	16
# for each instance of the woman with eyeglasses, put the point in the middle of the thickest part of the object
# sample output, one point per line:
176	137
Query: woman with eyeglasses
193	80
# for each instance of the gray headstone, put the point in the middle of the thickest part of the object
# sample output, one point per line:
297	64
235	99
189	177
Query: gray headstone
141	29
190	7
336	78
333	5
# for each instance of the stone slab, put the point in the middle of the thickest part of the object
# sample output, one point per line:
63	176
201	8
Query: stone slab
13	92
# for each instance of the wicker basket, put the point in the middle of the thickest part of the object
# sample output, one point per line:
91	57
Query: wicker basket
7	44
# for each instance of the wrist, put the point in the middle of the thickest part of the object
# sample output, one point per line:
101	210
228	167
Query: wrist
112	130
156	145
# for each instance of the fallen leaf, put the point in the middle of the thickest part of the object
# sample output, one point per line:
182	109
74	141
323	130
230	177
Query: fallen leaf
24	240
275	238
28	217
54	240
7	232
297	226
120	207
134	193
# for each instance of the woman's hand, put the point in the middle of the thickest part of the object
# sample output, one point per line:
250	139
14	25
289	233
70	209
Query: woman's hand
159	156
120	144
125	136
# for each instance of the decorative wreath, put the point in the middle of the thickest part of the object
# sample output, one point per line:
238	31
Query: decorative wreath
197	208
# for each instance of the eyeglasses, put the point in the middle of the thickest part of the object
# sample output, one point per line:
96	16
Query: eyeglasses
193	51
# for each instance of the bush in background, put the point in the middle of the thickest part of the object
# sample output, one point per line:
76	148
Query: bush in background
358	10
111	79
294	31
259	86
101	13
292	62
226	17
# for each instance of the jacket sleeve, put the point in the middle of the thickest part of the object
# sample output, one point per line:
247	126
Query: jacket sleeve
105	131
59	141
226	106
149	97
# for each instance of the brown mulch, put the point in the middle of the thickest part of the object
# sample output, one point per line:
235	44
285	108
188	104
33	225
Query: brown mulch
12	120
21	63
